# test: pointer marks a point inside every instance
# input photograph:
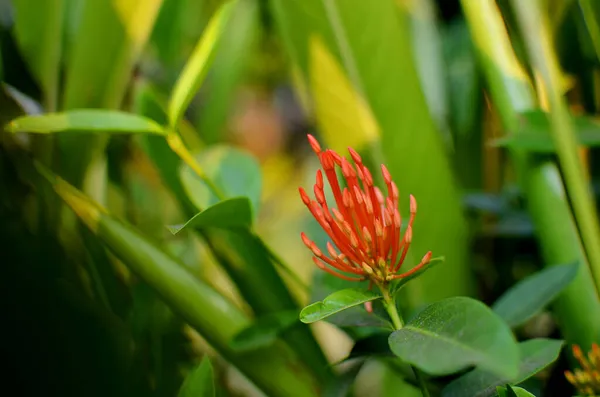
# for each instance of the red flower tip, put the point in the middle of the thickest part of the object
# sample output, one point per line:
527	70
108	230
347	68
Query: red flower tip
355	156
314	144
365	226
413	204
386	174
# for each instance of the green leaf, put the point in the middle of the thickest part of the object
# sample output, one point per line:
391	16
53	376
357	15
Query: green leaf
335	303
197	67
85	120
451	335
403	281
235	172
510	391
536	354
264	331
199	382
39	33
529	296
231	213
533	133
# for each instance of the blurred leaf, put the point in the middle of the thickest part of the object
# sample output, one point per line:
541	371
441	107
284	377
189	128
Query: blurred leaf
199	382
451	335
533	133
230	63
233	171
277	370
529	296
510	391
264	331
231	213
106	41
335	303
85	120
536	354
333	94
39	31
427	52
197	67
396	286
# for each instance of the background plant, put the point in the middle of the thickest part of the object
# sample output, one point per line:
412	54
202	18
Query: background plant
150	157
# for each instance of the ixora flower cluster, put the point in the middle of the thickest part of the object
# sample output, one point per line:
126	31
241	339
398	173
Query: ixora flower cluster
587	379
365	226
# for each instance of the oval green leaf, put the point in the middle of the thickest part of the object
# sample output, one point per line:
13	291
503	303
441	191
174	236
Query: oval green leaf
197	67
529	296
536	354
335	303
264	331
235	172
454	334
228	214
85	120
199	382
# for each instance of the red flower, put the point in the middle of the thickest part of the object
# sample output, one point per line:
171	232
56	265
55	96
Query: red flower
365	227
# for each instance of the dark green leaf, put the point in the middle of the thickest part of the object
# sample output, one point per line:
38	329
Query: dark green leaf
373	345
536	354
231	213
264	331
335	303
199	382
529	296
533	133
451	335
403	281
85	120
235	172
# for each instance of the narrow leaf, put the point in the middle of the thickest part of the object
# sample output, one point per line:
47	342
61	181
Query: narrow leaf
231	213
456	333
533	133
85	120
264	331
197	67
199	382
529	296
335	303
536	354
403	281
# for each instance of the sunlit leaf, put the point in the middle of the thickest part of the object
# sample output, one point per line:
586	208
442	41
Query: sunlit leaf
197	67
529	296
536	354
335	303
85	120
454	334
512	391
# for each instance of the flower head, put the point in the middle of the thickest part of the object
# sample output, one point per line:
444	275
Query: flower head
365	226
587	379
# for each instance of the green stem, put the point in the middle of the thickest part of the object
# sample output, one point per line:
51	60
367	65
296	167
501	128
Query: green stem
390	306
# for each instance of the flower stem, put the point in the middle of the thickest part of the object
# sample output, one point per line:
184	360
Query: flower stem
390	306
